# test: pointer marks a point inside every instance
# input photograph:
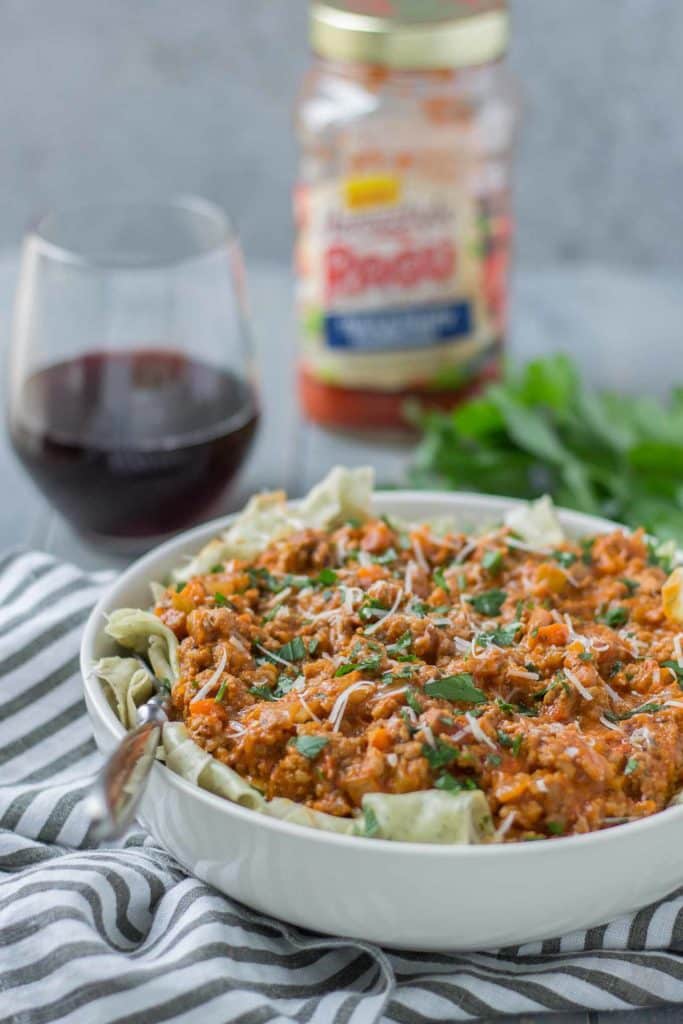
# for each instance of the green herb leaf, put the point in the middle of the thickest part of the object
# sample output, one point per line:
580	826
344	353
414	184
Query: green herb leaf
676	669
398	651
456	688
313	646
565	558
412	700
450	784
492	561
541	430
631	766
284	685
293	650
221	600
489	603
631	585
439	755
441	580
221	691
179	587
556	828
617	615
326	577
218	567
644	709
501	636
310	746
262	692
369	665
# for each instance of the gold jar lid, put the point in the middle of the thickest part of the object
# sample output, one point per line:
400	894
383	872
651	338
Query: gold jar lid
410	34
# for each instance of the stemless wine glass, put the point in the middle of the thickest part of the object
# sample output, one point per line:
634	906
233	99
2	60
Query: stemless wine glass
132	398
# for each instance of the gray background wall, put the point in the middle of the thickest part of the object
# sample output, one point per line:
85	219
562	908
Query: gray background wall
113	96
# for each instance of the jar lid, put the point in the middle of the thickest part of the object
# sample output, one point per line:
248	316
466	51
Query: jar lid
410	34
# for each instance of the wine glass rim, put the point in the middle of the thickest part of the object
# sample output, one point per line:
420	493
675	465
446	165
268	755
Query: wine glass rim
223	231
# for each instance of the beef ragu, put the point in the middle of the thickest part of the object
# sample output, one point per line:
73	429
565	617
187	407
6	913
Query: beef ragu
370	658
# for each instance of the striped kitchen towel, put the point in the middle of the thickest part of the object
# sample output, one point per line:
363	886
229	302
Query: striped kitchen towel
125	934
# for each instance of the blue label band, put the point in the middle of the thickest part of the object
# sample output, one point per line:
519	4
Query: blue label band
387	329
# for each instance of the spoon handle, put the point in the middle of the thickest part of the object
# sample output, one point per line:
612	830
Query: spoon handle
117	790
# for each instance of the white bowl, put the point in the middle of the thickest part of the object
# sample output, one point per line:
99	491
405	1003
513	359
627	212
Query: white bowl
397	894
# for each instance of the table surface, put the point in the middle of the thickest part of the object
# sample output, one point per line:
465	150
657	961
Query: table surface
597	314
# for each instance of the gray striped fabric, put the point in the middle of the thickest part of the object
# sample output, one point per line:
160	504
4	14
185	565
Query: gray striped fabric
124	934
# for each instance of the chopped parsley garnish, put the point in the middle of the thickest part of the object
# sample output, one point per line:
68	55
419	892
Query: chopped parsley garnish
441	580
368	665
221	691
262	579
388	556
456	688
565	558
218	567
644	709
617	615
502	636
586	656
262	692
492	561
408	720
615	669
452	785
366	609
512	743
540	694
370	822
391	677
631	585
221	600
494	759
293	650
518	709
556	828
440	754
676	669
412	701
326	578
489	603
310	746
631	766
399	650
420	608
284	685
179	587
313	646
165	684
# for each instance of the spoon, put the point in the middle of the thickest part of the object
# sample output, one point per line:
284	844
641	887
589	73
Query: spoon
116	792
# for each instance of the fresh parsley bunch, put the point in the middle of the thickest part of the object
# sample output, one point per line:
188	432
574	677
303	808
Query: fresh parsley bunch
540	431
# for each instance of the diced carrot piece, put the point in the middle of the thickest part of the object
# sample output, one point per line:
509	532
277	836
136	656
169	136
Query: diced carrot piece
557	633
204	707
370	572
381	738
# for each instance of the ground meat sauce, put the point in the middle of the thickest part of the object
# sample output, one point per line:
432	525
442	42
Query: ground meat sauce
369	659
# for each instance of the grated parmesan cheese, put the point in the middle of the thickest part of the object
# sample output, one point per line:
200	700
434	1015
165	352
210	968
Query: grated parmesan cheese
215	676
478	732
577	684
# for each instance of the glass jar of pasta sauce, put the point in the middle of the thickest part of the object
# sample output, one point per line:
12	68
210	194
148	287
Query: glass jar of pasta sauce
406	123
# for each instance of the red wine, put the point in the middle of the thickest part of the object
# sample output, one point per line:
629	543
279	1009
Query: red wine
133	444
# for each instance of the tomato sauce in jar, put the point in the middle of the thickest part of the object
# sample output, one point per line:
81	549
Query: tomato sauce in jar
406	124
